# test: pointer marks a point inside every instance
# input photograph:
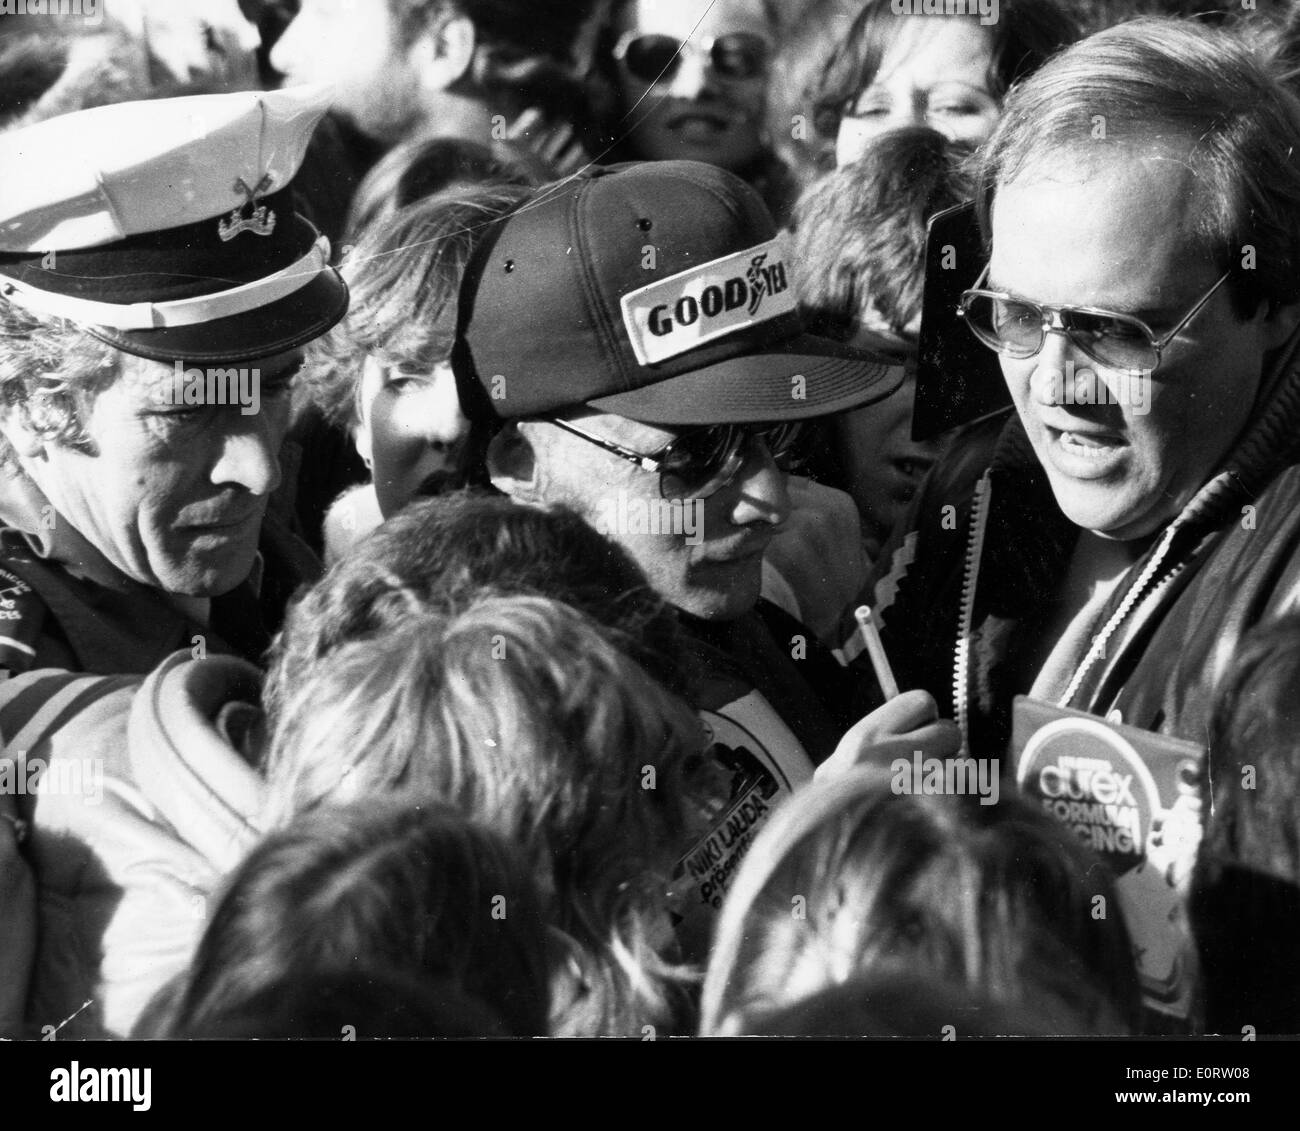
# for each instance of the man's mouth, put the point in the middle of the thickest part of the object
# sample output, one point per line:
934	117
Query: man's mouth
698	123
1084	453
222	522
743	551
1086	442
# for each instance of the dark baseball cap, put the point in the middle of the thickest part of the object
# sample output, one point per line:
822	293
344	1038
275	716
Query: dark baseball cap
659	291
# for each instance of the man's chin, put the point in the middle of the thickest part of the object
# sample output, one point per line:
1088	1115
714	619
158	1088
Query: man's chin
1099	514
723	602
208	576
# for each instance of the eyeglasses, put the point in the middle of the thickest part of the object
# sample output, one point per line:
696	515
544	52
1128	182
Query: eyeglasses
699	463
1016	327
655	58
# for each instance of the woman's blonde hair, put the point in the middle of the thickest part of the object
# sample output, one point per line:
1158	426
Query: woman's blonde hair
521	714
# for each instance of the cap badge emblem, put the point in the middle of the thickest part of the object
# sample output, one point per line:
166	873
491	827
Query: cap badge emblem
259	219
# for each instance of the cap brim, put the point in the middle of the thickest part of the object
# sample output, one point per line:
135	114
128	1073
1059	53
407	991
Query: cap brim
762	387
282	325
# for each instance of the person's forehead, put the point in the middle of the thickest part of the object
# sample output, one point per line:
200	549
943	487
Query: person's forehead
143	370
927	50
694	18
1110	229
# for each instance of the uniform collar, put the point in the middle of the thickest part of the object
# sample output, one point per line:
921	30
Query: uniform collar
112	622
25	508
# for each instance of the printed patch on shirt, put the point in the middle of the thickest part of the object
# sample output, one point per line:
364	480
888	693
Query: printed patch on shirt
755	768
20	623
674	315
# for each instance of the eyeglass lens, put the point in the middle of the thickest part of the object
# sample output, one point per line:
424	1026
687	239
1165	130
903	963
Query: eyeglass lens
701	461
1016	329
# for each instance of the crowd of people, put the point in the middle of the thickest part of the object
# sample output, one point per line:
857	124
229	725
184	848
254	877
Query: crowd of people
448	446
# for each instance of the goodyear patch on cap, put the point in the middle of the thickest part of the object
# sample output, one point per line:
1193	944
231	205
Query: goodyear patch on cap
677	314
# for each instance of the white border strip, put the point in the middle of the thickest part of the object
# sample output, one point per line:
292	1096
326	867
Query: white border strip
181	312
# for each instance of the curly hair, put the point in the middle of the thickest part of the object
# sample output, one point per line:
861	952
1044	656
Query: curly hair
519	713
51	371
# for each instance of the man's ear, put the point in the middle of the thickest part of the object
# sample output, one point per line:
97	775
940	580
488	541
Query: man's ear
512	464
18	431
442	57
372	380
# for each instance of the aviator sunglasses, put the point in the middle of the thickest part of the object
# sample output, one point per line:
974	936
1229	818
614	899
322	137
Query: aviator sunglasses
1016	327
656	58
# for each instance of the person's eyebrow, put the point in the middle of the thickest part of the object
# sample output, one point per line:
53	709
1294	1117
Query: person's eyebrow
977	89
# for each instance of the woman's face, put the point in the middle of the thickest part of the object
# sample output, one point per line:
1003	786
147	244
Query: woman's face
411	431
935	72
708	105
883	464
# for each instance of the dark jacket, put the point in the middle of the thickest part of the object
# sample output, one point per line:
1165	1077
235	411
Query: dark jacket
970	581
62	605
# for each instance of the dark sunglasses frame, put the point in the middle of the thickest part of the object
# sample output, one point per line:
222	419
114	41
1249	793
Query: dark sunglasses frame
778	439
714	46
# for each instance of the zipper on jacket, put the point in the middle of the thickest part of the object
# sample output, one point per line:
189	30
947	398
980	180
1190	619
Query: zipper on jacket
1131	598
970	575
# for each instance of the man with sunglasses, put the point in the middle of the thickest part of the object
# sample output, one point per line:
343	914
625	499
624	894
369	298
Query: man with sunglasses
635	333
690	79
1140	509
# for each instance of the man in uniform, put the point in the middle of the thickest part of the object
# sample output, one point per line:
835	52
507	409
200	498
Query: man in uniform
156	290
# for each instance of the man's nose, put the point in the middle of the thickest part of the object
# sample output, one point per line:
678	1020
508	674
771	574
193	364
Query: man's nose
1054	367
692	76
250	453
761	489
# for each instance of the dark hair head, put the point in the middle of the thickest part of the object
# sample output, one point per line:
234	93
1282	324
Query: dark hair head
421	167
1026	34
354	1004
412	890
904	1003
1173	87
547	28
859	233
445	553
524	49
